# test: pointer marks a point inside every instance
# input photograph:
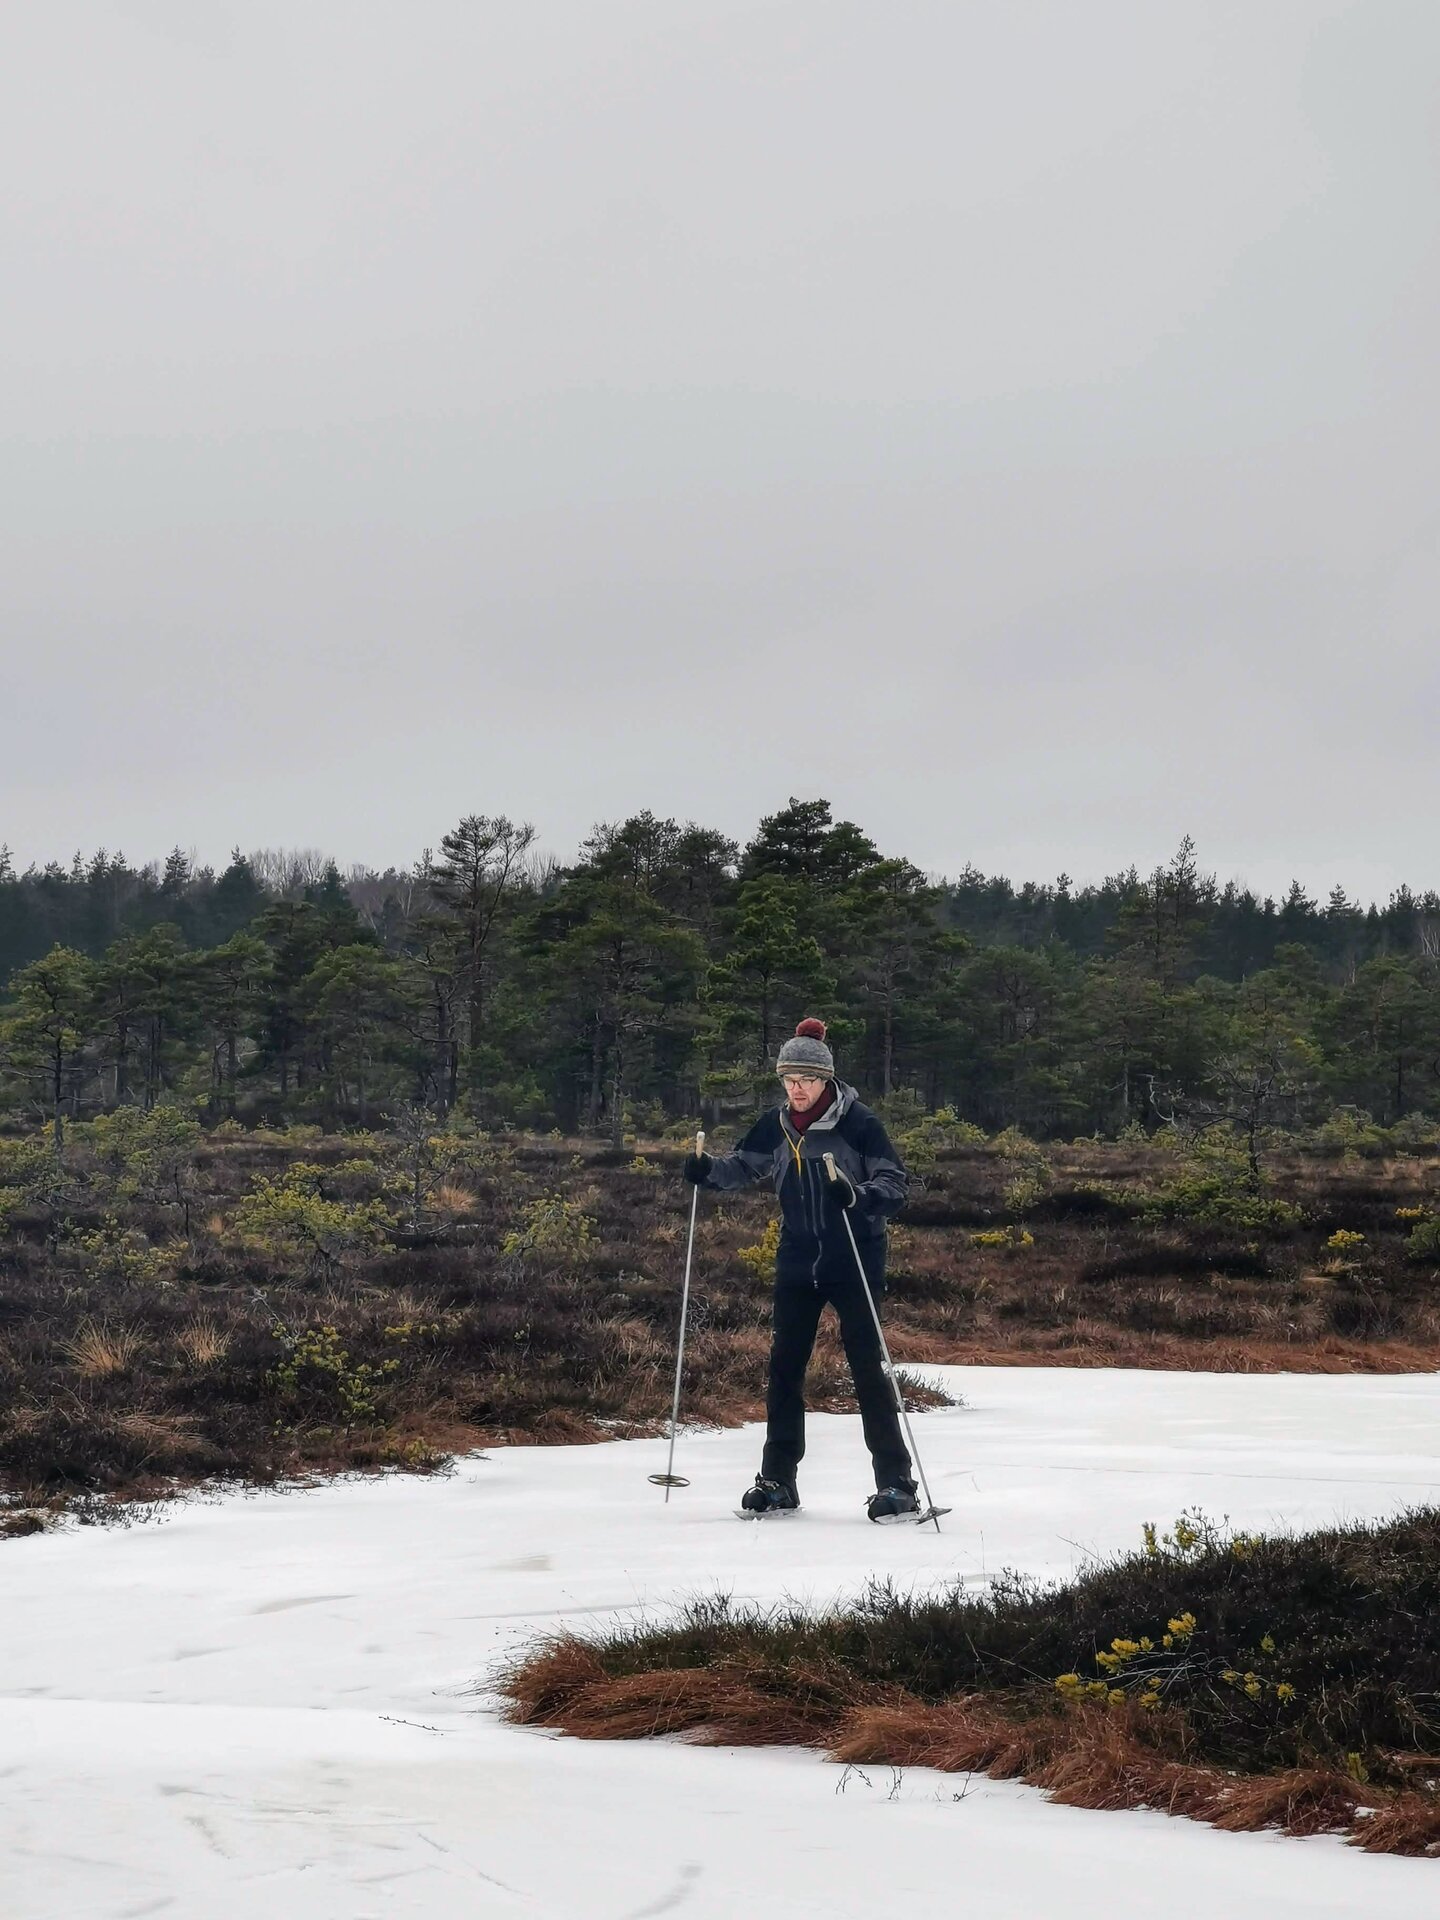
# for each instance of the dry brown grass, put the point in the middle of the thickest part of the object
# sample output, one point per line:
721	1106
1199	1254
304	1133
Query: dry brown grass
1409	1823
736	1702
157	1437
1099	1347
96	1352
1303	1801
1090	1756
204	1341
965	1735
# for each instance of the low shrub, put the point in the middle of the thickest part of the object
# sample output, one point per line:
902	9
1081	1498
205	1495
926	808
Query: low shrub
759	1259
1349	1130
522	1284
924	1138
32	1179
1087	1200
147	1156
1006	1239
114	1251
318	1376
553	1227
1215	1185
1029	1173
293	1216
1346	1250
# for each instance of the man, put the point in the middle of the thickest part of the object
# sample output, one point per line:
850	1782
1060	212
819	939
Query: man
815	1264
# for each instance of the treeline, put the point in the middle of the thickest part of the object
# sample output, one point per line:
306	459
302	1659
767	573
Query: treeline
653	979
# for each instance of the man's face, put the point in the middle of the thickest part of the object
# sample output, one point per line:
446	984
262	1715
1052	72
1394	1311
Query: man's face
802	1090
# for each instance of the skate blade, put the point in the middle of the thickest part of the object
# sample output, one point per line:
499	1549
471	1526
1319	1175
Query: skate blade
910	1519
775	1513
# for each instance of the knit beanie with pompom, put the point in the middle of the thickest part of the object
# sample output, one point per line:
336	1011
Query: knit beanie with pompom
807	1052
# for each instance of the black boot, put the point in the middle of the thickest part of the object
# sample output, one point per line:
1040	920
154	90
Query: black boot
893	1503
770	1496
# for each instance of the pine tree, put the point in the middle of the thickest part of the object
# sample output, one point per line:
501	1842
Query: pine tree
231	983
44	1040
476	881
768	969
359	1004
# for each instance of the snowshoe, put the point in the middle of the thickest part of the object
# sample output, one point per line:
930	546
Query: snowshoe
768	1496
893	1503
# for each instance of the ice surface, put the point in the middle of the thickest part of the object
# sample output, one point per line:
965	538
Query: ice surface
260	1703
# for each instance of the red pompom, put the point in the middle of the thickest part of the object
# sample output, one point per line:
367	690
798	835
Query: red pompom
810	1030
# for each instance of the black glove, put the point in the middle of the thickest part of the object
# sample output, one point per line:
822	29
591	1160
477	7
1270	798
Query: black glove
697	1168
841	1190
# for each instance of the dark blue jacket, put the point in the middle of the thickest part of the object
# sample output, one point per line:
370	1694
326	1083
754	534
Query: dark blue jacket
814	1247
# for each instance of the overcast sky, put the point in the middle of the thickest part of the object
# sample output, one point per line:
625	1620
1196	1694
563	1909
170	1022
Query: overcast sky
1016	420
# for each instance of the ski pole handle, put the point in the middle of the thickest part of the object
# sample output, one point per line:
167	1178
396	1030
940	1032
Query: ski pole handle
700	1141
838	1179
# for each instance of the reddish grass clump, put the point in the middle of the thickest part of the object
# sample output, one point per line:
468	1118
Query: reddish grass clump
967	1735
1410	1823
740	1702
1303	1800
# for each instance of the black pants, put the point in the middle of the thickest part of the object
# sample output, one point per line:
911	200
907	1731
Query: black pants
797	1316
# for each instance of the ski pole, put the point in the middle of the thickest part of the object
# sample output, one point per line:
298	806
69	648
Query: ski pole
670	1478
932	1512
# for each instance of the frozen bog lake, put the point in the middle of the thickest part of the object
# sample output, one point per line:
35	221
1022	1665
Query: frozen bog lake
262	1702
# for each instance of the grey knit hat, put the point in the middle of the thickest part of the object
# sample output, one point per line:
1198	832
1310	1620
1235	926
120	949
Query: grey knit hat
807	1052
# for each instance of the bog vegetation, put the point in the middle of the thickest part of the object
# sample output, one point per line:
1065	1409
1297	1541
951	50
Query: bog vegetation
177	1303
1291	1682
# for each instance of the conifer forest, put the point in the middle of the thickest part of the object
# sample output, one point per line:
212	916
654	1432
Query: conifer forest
647	985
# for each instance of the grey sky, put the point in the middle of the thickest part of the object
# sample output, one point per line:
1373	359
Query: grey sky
1018	421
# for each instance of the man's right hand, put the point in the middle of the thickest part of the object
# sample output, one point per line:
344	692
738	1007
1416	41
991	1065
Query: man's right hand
697	1168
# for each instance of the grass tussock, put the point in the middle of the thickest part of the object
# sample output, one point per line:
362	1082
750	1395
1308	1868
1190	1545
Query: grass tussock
1289	1683
1408	1823
96	1352
204	1342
